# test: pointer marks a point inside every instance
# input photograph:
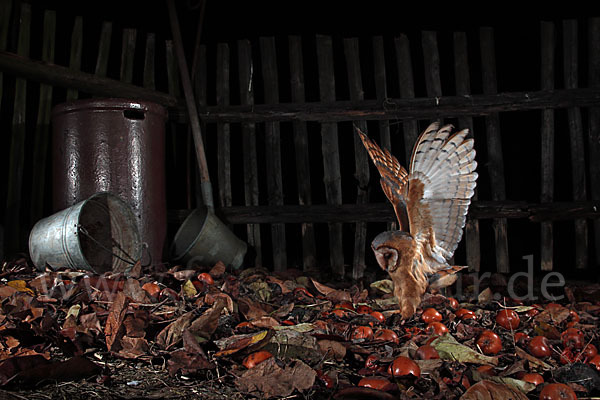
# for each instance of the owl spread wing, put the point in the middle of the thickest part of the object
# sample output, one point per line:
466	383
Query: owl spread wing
394	179
441	183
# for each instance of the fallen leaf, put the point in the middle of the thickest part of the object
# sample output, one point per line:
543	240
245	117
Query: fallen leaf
113	329
187	363
251	309
265	322
171	334
261	289
133	347
267	379
21	286
283	311
518	384
188	288
235	343
332	349
485	296
385	286
450	349
332	294
206	324
135	272
218	269
133	290
488	390
185	274
533	361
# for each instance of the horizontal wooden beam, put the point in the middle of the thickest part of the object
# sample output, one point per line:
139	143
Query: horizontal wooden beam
60	76
411	108
383	212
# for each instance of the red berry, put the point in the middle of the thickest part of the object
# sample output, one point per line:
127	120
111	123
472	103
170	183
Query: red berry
256	358
362	332
508	319
557	391
436	328
489	342
426	352
534	378
431	315
387	335
572	337
402	366
539	346
375	382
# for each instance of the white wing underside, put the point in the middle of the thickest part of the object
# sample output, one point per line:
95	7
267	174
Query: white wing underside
445	164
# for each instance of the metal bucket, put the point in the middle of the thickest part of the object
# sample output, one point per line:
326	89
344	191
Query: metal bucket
203	239
98	234
117	146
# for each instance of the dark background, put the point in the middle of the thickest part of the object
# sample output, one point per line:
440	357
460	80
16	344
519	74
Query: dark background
516	31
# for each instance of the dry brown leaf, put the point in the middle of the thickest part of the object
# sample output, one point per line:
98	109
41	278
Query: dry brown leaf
217	270
133	347
171	334
251	309
207	323
187	363
267	379
185	274
487	390
332	294
332	349
113	330
133	290
265	322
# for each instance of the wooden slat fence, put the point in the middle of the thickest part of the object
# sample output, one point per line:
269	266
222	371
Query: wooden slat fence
310	195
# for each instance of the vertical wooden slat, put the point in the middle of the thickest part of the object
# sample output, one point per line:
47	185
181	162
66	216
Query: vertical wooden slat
431	62
309	250
127	55
17	143
494	145
223	129
103	49
246	79
548	44
273	149
463	88
407	91
42	128
5	12
331	155
173	87
570	43
594	123
75	57
149	58
362	172
382	96
381	90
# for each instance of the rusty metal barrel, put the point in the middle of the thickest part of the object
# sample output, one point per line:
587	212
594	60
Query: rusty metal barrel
117	146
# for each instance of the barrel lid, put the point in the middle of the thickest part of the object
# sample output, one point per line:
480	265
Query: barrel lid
108	104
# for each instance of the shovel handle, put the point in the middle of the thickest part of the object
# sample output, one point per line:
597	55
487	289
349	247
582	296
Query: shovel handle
205	184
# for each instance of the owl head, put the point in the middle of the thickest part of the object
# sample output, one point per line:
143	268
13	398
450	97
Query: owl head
391	248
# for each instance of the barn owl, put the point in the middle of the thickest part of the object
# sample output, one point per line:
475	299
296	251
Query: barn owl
431	203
